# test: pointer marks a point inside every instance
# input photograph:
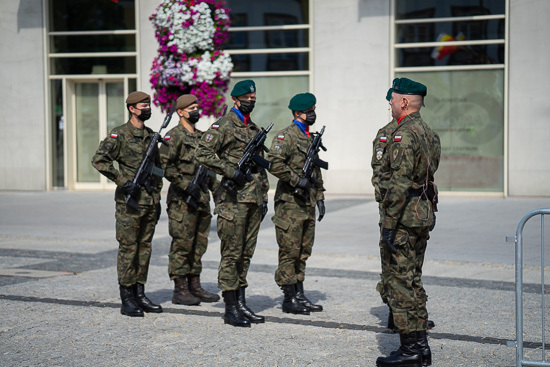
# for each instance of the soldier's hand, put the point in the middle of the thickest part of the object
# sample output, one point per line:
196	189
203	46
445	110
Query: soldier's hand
388	236
193	191
264	209
321	207
130	188
239	177
303	183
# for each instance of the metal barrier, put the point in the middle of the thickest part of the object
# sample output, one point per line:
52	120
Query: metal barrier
519	290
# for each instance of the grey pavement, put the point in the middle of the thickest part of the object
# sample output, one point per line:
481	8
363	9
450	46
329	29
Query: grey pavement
59	303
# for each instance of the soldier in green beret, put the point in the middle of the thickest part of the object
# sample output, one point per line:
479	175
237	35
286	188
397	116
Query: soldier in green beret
188	204
126	145
240	211
408	202
295	218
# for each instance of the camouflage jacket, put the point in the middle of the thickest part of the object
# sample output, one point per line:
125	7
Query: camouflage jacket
378	145
179	163
410	160
288	155
127	146
220	149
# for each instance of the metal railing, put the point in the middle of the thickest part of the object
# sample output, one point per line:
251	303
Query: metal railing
518	239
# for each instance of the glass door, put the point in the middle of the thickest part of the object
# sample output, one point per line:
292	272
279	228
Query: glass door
98	106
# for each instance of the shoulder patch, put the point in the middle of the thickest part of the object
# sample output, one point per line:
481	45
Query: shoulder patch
383	139
209	138
114	135
280	136
397	138
215	126
167	137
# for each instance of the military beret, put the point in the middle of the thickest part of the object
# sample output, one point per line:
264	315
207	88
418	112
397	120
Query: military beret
137	97
388	95
302	102
185	100
243	87
407	86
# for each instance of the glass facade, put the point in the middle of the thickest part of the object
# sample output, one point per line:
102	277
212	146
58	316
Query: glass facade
464	105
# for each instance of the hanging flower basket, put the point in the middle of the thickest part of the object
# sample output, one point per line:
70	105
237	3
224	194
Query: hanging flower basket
190	34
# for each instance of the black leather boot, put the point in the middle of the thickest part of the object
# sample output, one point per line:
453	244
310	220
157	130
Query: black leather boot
300	296
144	303
232	314
245	310
290	303
407	355
424	348
198	291
181	295
129	305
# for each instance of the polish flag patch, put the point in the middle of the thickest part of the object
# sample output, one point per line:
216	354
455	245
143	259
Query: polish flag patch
280	137
215	126
167	137
383	139
114	136
397	138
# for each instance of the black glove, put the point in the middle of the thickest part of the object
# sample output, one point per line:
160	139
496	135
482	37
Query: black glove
303	183
130	188
194	191
321	207
433	224
264	209
388	236
239	177
158	208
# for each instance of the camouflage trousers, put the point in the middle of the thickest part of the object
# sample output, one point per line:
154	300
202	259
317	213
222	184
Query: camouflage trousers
189	230
134	233
238	226
295	231
405	292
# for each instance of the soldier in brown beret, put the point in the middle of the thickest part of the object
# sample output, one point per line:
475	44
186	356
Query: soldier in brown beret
188	202
126	145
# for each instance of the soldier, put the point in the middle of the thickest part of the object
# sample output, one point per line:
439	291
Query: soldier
240	204
188	204
126	145
295	218
409	198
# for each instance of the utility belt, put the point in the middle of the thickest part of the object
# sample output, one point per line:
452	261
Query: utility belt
426	193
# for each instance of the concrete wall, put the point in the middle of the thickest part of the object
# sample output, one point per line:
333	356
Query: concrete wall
351	78
529	112
22	152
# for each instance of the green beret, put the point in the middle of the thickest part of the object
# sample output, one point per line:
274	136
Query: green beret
243	87
388	96
302	102
137	97
407	86
185	100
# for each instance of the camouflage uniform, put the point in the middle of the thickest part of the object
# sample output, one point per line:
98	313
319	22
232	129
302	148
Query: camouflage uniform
413	152
240	213
127	145
378	145
188	227
294	219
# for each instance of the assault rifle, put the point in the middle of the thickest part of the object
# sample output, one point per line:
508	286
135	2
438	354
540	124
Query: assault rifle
201	180
250	157
147	166
312	161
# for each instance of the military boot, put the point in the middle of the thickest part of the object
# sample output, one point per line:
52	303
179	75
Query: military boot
196	290
129	305
425	352
232	314
300	296
407	355
290	303
181	295
145	303
245	310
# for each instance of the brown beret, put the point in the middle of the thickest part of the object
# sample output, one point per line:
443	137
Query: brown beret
185	100
137	97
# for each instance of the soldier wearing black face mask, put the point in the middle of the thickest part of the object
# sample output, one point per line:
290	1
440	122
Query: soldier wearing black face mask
188	206
126	145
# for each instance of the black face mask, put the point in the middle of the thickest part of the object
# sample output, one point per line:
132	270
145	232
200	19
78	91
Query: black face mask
194	116
311	116
145	114
246	106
